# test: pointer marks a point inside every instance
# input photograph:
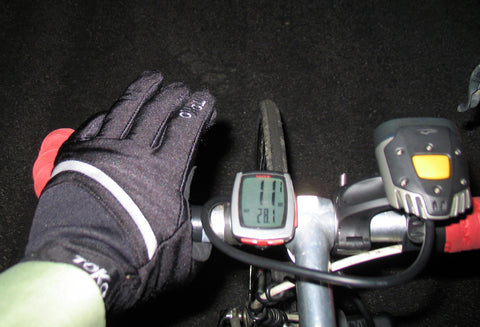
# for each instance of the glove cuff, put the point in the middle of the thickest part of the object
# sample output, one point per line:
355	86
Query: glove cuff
80	230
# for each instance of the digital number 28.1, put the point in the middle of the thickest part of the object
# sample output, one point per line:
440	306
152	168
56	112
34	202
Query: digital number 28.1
263	216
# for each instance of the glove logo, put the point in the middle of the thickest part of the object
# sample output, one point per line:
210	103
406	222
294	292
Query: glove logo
194	106
99	275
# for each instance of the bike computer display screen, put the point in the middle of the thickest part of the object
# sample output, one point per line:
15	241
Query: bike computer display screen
263	208
262	201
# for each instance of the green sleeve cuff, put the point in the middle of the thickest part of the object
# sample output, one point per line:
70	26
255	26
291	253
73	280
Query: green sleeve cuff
39	293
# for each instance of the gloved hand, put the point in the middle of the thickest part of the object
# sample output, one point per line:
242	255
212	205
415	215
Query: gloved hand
115	205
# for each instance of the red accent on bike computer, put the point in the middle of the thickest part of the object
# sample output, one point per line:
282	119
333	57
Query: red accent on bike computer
263	176
261	242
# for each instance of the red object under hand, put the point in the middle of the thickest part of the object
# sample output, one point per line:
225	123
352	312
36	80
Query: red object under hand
43	166
465	234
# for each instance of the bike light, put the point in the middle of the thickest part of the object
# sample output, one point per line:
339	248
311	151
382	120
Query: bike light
423	168
432	166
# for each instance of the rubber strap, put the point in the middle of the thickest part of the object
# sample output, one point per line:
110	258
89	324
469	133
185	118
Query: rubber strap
465	234
42	168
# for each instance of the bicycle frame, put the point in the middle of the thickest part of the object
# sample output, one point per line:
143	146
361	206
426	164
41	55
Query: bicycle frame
357	216
311	247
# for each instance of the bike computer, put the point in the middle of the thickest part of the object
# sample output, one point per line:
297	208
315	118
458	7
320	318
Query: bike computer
263	208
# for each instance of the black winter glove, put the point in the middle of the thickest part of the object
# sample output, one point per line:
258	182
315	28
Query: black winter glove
115	205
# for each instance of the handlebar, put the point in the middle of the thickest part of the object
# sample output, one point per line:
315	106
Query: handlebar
390	226
424	180
314	240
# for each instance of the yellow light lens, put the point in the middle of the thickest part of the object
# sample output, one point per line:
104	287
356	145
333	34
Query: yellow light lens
432	166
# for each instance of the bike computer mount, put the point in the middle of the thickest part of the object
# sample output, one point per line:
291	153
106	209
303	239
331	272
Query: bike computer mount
263	209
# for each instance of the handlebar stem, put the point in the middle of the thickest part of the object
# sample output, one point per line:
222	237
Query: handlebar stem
311	247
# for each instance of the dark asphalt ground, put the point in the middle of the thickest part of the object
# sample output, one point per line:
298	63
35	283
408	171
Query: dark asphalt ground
336	69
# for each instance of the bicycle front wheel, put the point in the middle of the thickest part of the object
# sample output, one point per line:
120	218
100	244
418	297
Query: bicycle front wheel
271	149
